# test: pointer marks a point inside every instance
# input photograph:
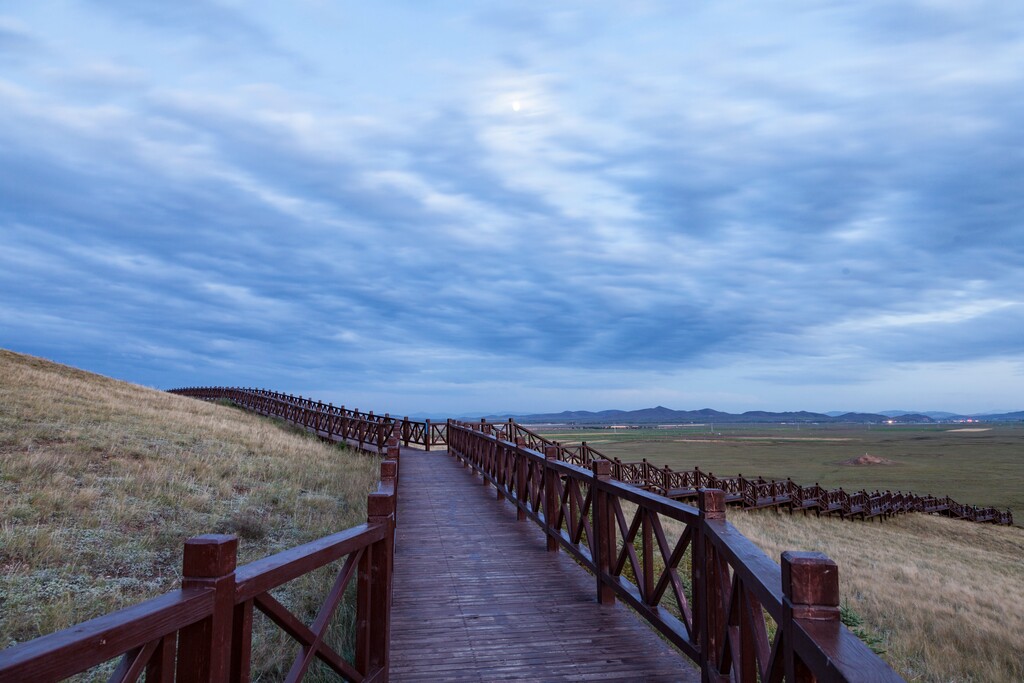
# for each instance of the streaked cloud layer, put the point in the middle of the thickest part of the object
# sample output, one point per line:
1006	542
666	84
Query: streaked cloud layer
477	207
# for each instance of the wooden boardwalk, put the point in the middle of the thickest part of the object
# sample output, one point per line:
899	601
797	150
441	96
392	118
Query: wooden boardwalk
477	597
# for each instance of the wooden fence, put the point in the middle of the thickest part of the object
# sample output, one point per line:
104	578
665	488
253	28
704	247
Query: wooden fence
754	492
703	585
686	570
203	632
335	423
356	428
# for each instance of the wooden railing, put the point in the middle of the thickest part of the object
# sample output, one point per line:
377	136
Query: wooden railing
753	492
336	423
359	429
687	571
203	632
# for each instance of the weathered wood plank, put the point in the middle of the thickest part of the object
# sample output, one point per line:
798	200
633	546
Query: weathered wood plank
477	597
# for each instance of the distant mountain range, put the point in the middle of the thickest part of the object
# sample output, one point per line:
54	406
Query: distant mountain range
663	415
934	414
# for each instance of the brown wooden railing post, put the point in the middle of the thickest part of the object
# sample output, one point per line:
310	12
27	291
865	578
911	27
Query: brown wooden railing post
522	485
460	452
487	448
494	461
373	602
426	436
498	470
810	588
204	648
241	643
574	514
604	530
551	502
394	452
646	580
709	590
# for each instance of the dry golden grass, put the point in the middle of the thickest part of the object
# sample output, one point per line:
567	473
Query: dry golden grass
102	481
943	598
946	597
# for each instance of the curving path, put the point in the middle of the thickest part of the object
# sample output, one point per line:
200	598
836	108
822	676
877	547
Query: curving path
477	597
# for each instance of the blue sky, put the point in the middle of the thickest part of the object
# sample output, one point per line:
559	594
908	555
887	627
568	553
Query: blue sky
466	208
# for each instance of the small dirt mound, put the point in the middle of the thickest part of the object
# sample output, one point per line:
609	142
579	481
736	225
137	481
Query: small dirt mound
867	459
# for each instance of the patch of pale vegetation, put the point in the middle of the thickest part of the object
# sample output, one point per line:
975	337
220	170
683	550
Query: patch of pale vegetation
945	597
102	481
866	460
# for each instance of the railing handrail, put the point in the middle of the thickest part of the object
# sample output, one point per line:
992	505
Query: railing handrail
177	626
333	422
278	569
75	649
428	434
655	477
540	486
64	653
196	629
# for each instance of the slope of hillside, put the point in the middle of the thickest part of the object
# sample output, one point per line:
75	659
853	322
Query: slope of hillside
946	598
101	482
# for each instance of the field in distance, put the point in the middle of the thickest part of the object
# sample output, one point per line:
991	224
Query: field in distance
983	468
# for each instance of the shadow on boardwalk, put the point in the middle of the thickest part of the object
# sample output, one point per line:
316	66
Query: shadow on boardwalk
477	597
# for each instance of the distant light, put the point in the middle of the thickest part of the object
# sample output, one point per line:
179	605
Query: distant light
516	106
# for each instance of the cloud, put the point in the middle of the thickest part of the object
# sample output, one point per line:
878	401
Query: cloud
219	28
16	42
550	27
665	215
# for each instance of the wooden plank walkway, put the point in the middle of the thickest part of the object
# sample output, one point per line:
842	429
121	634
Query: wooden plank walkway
477	597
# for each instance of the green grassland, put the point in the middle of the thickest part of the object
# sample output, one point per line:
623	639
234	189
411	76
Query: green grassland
984	468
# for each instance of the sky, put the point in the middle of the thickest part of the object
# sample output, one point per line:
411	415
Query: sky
476	207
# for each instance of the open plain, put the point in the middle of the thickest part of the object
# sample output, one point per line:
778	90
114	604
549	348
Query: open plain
982	468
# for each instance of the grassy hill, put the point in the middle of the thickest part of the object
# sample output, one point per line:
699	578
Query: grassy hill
101	482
